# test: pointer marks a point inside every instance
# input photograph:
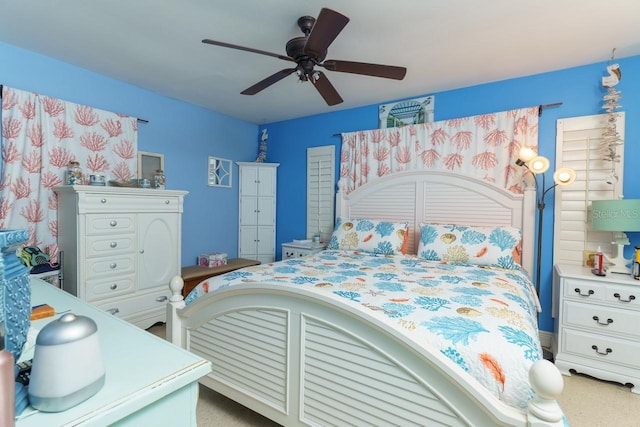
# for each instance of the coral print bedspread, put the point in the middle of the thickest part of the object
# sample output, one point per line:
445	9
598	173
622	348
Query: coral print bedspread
482	318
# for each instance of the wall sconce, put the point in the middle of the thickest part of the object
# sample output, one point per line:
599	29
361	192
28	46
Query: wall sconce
617	216
538	165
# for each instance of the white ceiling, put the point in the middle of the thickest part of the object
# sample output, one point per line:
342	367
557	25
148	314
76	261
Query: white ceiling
445	44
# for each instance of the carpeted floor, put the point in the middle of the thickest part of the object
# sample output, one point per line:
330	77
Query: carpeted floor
586	401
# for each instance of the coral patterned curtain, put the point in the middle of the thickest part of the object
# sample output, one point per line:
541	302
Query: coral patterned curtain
484	146
40	136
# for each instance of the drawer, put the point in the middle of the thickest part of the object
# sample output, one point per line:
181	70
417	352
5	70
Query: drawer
97	289
125	307
110	223
600	347
119	264
109	245
624	296
88	203
601	319
288	253
583	289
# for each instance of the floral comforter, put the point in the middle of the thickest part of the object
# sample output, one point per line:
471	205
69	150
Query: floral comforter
482	318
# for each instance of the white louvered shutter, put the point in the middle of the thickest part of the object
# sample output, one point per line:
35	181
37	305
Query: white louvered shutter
578	147
320	191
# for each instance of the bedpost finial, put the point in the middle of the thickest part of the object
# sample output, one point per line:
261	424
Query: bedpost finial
547	383
176	284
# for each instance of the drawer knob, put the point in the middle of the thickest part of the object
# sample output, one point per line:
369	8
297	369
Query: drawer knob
113	287
162	298
604	353
113	311
167	202
113	223
113	244
103	200
579	292
608	322
631	297
113	265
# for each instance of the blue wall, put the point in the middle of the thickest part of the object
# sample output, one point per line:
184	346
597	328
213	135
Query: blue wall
579	89
187	135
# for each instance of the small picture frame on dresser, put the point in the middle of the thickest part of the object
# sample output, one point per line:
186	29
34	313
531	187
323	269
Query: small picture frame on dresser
148	164
588	257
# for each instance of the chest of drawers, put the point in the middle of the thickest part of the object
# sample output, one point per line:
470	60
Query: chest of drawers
295	250
597	325
121	248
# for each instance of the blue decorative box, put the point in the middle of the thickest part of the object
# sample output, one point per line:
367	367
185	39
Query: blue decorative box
15	293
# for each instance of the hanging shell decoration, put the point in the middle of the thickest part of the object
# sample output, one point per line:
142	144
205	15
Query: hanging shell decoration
611	139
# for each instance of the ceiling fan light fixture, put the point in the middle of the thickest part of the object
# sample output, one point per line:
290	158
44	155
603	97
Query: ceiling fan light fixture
310	50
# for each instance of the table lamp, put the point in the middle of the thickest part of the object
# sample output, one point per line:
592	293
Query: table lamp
617	216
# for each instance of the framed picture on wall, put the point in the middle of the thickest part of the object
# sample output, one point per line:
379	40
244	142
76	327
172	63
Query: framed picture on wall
219	172
148	164
409	112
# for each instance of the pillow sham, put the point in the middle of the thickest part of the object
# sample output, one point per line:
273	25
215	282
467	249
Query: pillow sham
479	245
366	235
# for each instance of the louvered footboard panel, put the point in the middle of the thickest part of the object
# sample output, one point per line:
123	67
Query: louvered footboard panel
248	350
347	382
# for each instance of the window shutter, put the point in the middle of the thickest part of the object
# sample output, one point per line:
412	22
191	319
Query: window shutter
320	191
578	146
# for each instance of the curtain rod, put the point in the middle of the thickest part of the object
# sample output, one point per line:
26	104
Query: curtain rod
540	108
140	120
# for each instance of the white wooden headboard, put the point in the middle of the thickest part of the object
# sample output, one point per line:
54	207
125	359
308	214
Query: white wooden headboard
445	198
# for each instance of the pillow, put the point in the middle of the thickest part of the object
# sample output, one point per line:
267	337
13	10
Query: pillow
374	236
497	246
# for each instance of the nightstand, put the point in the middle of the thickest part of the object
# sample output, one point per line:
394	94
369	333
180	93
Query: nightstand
295	250
596	328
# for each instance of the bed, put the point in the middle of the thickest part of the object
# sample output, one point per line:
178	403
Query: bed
316	355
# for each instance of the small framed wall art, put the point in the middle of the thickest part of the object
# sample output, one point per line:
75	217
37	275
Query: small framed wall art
409	112
219	172
148	164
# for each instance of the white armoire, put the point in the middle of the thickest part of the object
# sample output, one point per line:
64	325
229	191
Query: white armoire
257	210
121	247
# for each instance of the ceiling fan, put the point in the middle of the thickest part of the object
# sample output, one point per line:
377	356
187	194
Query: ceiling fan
310	51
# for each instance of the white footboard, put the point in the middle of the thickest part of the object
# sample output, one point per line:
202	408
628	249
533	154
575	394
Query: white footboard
301	359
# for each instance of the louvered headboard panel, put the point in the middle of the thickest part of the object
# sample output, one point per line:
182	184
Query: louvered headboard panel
445	198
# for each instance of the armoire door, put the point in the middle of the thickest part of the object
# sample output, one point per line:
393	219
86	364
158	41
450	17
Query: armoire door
158	248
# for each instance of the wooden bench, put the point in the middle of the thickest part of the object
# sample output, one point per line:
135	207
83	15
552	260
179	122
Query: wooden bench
195	274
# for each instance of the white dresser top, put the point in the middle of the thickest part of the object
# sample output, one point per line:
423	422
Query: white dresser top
580	272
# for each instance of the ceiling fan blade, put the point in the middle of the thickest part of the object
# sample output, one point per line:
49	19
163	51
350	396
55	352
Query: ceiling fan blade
325	30
263	84
376	70
247	49
326	89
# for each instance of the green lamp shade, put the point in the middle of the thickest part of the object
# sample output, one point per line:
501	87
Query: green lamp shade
615	215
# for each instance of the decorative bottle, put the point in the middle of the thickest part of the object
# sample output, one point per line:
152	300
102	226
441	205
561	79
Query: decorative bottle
598	263
159	179
636	264
74	173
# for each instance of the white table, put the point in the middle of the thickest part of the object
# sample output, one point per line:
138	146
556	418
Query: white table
596	324
149	381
